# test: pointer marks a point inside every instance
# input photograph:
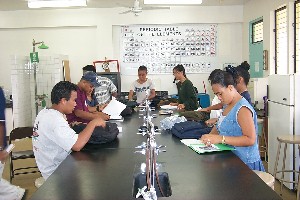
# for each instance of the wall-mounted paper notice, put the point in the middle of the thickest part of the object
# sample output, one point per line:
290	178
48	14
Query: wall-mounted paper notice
256	66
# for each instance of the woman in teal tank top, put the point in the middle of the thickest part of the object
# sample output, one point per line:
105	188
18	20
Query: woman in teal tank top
237	126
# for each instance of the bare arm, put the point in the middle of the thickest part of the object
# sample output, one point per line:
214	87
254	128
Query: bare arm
152	94
130	95
214	107
246	123
88	115
114	94
3	154
84	136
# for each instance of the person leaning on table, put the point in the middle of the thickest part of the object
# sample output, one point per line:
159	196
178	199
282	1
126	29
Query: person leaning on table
237	126
53	139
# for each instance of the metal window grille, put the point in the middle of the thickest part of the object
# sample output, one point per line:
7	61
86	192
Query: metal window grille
257	31
297	36
281	40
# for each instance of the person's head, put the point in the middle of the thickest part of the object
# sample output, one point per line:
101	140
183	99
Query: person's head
223	84
89	81
64	94
179	72
243	73
89	68
142	73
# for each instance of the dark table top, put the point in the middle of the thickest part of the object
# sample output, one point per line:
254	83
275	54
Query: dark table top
107	171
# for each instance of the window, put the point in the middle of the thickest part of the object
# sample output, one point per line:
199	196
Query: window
257	31
297	36
281	41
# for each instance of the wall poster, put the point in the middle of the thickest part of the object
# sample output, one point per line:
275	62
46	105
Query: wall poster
161	47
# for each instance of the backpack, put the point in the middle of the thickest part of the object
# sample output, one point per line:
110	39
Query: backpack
190	130
100	135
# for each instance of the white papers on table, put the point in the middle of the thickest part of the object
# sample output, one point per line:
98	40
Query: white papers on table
168	107
188	142
120	128
114	108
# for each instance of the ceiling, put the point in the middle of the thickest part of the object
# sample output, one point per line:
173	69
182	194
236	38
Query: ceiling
11	5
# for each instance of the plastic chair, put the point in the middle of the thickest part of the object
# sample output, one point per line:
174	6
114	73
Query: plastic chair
16	137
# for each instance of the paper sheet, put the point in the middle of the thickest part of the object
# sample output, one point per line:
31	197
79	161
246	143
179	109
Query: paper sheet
114	108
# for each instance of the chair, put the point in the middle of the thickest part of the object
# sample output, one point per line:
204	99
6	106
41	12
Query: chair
286	140
18	136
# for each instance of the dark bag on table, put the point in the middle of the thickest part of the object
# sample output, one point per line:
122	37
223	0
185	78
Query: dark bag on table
100	135
198	116
190	130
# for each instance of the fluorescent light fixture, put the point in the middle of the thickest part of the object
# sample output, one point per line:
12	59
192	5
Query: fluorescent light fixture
172	2
55	3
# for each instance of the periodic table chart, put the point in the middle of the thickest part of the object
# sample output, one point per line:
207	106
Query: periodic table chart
161	47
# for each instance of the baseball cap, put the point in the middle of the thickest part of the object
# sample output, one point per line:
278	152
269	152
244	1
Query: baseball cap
92	77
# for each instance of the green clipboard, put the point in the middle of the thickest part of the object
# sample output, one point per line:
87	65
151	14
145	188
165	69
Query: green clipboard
202	148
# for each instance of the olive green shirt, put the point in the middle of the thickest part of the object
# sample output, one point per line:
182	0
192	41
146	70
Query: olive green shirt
187	95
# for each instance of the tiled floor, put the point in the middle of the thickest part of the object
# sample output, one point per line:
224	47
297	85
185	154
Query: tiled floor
27	182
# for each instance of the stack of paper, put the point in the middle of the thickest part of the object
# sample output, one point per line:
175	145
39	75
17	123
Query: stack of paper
114	109
199	147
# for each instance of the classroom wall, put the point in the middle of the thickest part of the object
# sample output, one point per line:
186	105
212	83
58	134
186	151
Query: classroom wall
86	35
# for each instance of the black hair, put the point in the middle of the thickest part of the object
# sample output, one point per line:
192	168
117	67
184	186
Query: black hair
243	71
180	68
143	68
89	68
223	78
62	90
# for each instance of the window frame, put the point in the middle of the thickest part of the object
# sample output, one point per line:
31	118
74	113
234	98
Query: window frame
295	34
275	32
253	24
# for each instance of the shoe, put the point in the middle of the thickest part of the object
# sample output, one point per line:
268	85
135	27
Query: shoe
24	195
21	193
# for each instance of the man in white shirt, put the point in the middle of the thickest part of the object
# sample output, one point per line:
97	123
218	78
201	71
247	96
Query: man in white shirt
53	139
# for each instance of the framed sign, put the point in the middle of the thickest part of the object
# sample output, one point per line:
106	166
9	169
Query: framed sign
107	66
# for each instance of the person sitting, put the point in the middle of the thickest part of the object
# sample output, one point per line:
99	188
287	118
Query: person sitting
237	126
53	139
105	90
81	114
141	86
187	97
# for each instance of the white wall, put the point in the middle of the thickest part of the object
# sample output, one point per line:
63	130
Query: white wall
86	35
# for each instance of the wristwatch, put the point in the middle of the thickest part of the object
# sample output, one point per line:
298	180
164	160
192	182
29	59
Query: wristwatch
1	148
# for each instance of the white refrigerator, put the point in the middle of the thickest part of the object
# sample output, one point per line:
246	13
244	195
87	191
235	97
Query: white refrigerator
283	118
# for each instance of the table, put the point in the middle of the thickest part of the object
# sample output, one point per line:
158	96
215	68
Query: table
106	171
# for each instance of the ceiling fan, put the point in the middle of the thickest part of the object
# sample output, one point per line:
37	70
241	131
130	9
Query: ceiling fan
137	9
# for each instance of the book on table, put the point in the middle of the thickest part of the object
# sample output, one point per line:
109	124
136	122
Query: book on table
199	147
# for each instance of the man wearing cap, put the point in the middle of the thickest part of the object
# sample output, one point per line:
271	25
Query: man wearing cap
106	89
81	113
